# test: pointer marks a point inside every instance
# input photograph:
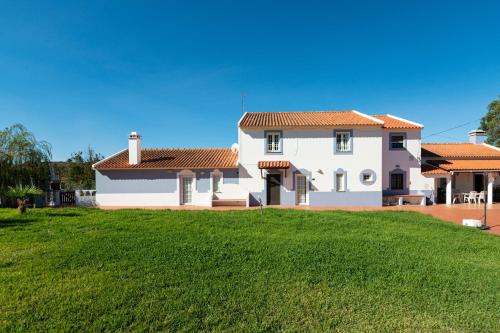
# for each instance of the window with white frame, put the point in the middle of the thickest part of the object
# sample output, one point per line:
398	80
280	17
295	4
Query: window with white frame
217	182
340	182
273	142
343	141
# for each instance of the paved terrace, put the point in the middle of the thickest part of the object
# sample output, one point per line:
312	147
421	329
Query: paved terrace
454	213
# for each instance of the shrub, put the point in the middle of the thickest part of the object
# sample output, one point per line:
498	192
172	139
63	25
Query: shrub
22	194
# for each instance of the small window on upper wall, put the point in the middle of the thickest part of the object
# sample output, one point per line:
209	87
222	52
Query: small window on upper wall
398	141
273	142
343	141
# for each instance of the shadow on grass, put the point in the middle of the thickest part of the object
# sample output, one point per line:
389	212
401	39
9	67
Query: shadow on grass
15	222
62	214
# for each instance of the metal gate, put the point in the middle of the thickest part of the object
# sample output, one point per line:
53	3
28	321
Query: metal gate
68	198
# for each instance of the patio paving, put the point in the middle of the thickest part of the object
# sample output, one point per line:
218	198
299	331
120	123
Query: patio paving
454	213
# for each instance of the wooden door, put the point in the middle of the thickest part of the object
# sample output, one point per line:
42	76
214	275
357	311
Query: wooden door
273	189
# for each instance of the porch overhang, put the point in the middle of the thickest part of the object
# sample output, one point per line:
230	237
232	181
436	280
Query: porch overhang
443	167
273	165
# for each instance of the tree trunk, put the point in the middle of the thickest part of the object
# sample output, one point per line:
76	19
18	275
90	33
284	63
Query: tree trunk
21	205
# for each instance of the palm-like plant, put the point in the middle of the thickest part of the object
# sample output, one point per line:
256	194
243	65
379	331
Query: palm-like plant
22	194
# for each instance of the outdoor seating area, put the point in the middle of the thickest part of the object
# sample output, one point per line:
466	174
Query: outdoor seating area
467	188
470	197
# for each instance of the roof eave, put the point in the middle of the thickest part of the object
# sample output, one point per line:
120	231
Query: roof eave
406	121
308	127
108	158
378	121
167	169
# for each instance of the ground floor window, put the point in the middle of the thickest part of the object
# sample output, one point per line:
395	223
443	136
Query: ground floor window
217	182
397	181
340	182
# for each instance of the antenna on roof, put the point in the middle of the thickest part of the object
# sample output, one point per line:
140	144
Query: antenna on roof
242	102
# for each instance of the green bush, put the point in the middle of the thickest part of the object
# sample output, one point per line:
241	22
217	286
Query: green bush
22	194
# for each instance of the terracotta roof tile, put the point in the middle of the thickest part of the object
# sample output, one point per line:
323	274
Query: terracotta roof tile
459	150
273	164
306	119
397	123
428	170
184	158
467	165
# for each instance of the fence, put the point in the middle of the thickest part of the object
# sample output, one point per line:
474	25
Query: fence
67	198
85	197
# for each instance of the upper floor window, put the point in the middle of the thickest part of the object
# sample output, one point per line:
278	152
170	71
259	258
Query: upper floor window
397	141
273	142
343	141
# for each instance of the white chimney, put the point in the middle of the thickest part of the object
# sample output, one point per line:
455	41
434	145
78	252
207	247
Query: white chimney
477	136
134	148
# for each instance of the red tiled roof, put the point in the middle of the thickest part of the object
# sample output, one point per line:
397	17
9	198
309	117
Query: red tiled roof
183	158
273	164
459	150
306	119
467	165
428	170
397	123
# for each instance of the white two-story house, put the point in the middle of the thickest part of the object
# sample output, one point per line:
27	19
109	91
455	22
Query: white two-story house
341	158
318	158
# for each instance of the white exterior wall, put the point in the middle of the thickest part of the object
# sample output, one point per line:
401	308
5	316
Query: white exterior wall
312	151
136	199
139	190
407	160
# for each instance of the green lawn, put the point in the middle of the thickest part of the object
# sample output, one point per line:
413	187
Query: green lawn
133	270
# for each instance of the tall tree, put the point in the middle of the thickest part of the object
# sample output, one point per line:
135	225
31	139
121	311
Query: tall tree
80	173
491	123
23	159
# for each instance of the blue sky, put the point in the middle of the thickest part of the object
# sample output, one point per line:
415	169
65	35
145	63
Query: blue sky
88	73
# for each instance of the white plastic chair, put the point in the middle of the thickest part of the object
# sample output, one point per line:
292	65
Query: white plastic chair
481	196
473	196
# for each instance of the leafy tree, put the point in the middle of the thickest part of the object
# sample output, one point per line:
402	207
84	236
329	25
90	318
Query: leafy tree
491	123
23	159
79	169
